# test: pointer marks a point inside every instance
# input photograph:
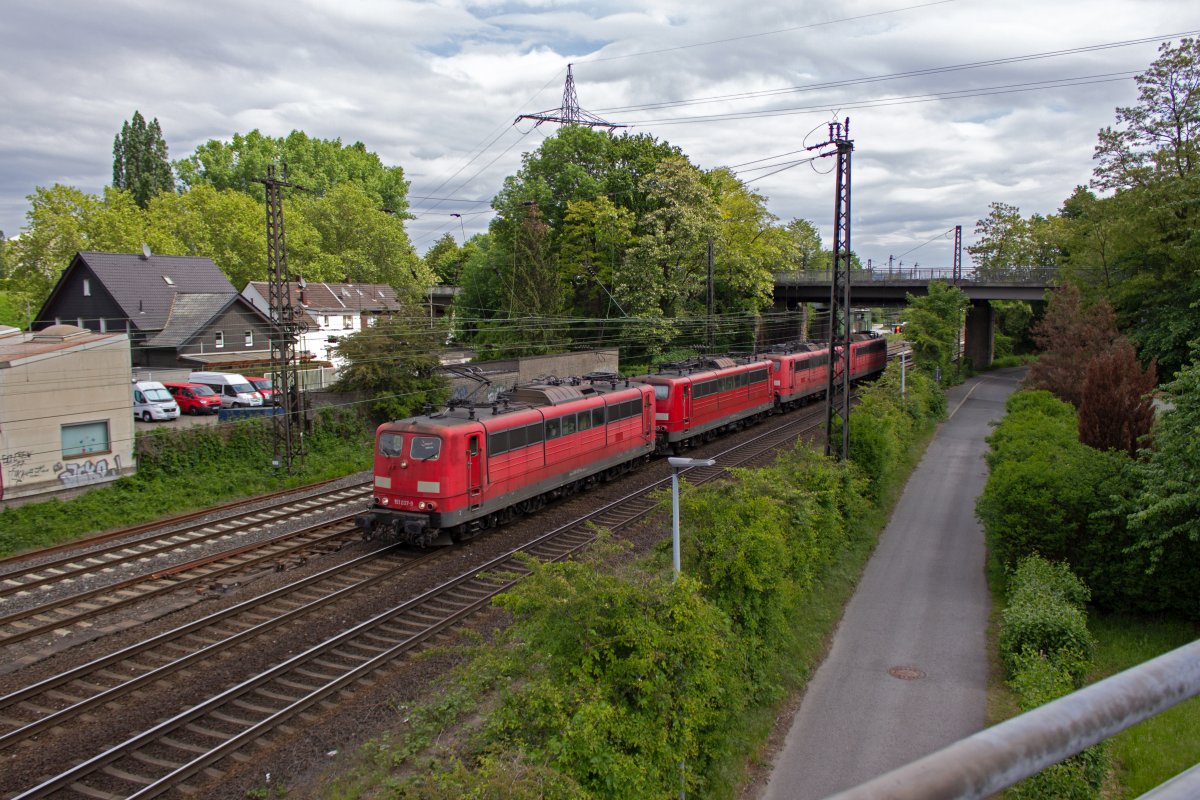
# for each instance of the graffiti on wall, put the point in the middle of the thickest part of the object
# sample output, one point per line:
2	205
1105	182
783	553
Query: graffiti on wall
85	473
17	468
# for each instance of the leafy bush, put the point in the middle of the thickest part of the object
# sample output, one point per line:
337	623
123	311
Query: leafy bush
1045	615
1048	493
631	677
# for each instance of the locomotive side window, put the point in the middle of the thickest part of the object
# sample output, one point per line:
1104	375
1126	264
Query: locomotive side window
533	433
585	420
391	445
568	425
553	429
758	376
498	443
425	448
597	417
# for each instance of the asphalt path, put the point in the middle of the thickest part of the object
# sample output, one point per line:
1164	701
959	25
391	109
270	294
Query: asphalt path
907	671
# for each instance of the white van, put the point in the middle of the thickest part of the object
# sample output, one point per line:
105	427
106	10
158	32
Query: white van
151	400
235	391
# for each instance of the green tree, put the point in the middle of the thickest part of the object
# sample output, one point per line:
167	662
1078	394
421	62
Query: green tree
140	164
1010	245
933	324
61	221
1150	161
318	165
1167	516
674	236
345	236
595	236
444	260
394	365
227	226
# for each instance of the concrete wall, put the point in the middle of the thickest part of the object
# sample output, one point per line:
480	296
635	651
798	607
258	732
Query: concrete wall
39	395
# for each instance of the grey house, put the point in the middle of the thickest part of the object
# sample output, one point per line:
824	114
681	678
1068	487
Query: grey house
179	311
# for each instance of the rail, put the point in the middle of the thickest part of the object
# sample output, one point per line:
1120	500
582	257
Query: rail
1000	756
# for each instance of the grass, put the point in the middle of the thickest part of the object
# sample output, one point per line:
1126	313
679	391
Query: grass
1153	751
188	471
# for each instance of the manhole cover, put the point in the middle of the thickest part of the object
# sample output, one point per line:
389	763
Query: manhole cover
906	673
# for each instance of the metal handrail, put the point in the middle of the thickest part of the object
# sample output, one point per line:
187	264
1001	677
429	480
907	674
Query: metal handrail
1000	756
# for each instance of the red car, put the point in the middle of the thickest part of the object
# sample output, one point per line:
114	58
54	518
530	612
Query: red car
194	398
264	387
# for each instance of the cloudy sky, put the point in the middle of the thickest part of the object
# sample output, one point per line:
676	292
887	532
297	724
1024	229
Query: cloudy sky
953	104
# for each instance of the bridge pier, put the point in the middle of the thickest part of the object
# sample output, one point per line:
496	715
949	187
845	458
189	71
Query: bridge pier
980	344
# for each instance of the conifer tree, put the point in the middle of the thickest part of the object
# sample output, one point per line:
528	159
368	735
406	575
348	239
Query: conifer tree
140	164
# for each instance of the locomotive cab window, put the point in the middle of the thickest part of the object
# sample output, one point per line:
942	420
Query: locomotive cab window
391	444
425	448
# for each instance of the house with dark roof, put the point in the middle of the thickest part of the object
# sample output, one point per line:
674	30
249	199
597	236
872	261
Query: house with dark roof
179	311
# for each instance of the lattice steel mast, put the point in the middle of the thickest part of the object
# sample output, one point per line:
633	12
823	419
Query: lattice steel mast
569	113
288	426
837	386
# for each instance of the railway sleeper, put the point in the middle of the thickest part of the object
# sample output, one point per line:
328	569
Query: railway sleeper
128	777
146	758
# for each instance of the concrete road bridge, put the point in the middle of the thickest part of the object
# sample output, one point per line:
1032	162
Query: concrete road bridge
876	287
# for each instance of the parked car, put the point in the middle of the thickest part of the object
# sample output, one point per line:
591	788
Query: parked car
233	389
265	387
152	401
194	398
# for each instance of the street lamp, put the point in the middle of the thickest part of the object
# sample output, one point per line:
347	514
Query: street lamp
678	465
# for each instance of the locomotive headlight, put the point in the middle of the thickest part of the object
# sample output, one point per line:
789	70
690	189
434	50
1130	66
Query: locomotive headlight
421	506
383	501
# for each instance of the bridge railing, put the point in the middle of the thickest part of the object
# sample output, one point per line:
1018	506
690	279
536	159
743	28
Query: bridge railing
1003	755
1030	276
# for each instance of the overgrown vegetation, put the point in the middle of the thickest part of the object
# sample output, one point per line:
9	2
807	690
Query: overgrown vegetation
1047	651
932	325
189	469
615	676
1128	527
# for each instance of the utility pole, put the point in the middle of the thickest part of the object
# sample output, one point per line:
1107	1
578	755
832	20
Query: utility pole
711	298
837	386
288	426
957	254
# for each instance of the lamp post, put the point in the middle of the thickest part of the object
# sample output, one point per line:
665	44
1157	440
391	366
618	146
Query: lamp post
677	466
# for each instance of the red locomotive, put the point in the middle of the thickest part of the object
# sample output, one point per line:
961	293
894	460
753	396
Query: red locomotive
698	399
443	477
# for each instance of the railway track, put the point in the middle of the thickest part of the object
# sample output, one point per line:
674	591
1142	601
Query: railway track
189	746
155	549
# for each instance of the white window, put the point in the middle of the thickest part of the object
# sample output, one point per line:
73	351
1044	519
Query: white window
249	338
87	287
79	321
371	321
84	438
347	322
167	278
219	339
103	325
324	320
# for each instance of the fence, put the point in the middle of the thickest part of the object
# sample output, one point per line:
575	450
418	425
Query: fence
1000	756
